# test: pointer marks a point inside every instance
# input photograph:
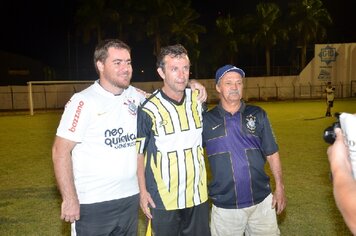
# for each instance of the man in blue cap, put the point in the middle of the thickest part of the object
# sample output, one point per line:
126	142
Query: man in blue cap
239	140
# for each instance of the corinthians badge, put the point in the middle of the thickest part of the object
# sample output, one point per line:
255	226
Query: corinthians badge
131	106
251	123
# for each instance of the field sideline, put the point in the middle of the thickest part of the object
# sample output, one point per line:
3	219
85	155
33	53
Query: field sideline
30	203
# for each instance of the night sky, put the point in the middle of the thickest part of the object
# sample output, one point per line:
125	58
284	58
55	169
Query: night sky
36	29
39	29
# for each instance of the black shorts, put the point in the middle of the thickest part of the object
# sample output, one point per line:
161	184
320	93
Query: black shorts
115	217
189	221
330	103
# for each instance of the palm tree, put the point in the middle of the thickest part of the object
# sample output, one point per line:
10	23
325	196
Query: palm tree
227	28
128	19
184	28
186	31
156	21
267	29
169	21
105	17
93	16
308	21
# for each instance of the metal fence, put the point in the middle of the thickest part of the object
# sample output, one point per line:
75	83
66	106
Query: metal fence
294	92
55	96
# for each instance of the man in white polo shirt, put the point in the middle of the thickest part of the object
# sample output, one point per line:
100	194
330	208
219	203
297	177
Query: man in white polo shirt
94	152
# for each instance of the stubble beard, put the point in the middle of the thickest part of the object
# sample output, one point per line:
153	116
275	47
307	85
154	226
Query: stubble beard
121	81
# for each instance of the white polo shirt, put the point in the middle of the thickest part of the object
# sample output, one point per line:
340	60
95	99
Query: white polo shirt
104	127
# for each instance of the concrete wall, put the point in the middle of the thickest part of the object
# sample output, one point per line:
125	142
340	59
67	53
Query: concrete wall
332	62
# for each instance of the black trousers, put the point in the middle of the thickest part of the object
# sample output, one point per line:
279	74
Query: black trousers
192	221
114	218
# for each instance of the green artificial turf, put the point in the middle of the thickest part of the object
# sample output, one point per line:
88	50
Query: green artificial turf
30	202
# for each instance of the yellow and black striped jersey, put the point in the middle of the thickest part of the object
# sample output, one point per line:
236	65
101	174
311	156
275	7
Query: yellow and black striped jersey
169	134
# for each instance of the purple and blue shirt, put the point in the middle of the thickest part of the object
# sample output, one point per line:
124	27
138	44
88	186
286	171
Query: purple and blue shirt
237	146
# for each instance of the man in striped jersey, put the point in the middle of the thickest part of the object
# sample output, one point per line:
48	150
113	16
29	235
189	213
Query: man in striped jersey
94	152
171	169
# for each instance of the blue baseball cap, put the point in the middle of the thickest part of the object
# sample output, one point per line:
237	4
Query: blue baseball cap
227	68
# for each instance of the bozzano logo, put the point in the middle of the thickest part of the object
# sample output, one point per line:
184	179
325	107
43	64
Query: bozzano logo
76	116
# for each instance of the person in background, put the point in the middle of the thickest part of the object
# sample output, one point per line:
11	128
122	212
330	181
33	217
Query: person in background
344	184
330	96
171	170
239	140
94	151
